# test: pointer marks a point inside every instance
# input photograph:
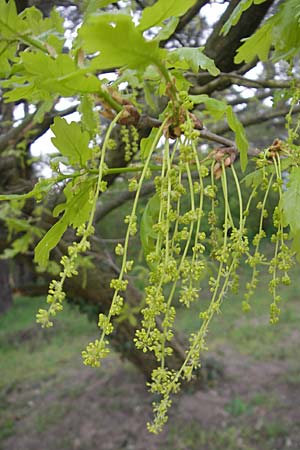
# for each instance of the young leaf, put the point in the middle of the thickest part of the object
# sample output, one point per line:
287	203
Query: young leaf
258	44
240	136
40	27
296	244
147	234
71	141
146	144
291	201
49	241
7	53
168	29
89	119
41	188
9	20
44	77
218	109
254	179
193	58
118	41
161	10
242	6
282	31
76	211
77	206
20	245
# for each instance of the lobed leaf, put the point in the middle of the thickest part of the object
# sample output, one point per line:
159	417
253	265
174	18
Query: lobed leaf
282	31
217	109
118	41
76	211
49	241
44	77
150	216
10	22
168	29
71	141
291	201
41	188
161	10
146	143
89	119
242	6
240	136
186	57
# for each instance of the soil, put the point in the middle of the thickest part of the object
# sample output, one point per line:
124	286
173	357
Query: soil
107	409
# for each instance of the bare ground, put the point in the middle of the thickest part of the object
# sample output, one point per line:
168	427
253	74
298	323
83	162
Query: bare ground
256	406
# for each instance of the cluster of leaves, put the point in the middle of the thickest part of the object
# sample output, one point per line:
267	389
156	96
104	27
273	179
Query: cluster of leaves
173	239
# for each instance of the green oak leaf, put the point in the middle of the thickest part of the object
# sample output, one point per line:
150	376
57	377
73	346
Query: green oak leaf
258	44
150	216
71	141
9	20
291	201
49	241
118	41
161	10
168	29
242	6
217	109
240	136
76	211
186	57
281	32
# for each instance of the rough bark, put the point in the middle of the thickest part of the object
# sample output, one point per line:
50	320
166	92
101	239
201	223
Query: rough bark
5	294
97	295
223	48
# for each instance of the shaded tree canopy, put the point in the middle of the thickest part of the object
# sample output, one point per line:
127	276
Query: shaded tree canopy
201	117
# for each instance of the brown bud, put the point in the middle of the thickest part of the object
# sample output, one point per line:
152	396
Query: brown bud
227	161
217	171
129	116
198	125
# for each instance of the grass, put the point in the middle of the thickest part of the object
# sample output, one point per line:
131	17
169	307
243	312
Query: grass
193	437
251	333
29	353
33	360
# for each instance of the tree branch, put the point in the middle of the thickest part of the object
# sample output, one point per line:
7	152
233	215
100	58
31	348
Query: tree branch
263	117
17	134
225	79
120	199
186	19
221	48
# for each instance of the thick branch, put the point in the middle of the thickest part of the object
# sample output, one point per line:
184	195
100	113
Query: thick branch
257	119
225	79
221	48
186	19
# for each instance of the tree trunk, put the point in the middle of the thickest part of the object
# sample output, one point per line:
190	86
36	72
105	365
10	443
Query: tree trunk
6	294
92	292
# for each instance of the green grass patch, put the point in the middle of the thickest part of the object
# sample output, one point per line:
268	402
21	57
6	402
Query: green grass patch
192	436
250	333
30	353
